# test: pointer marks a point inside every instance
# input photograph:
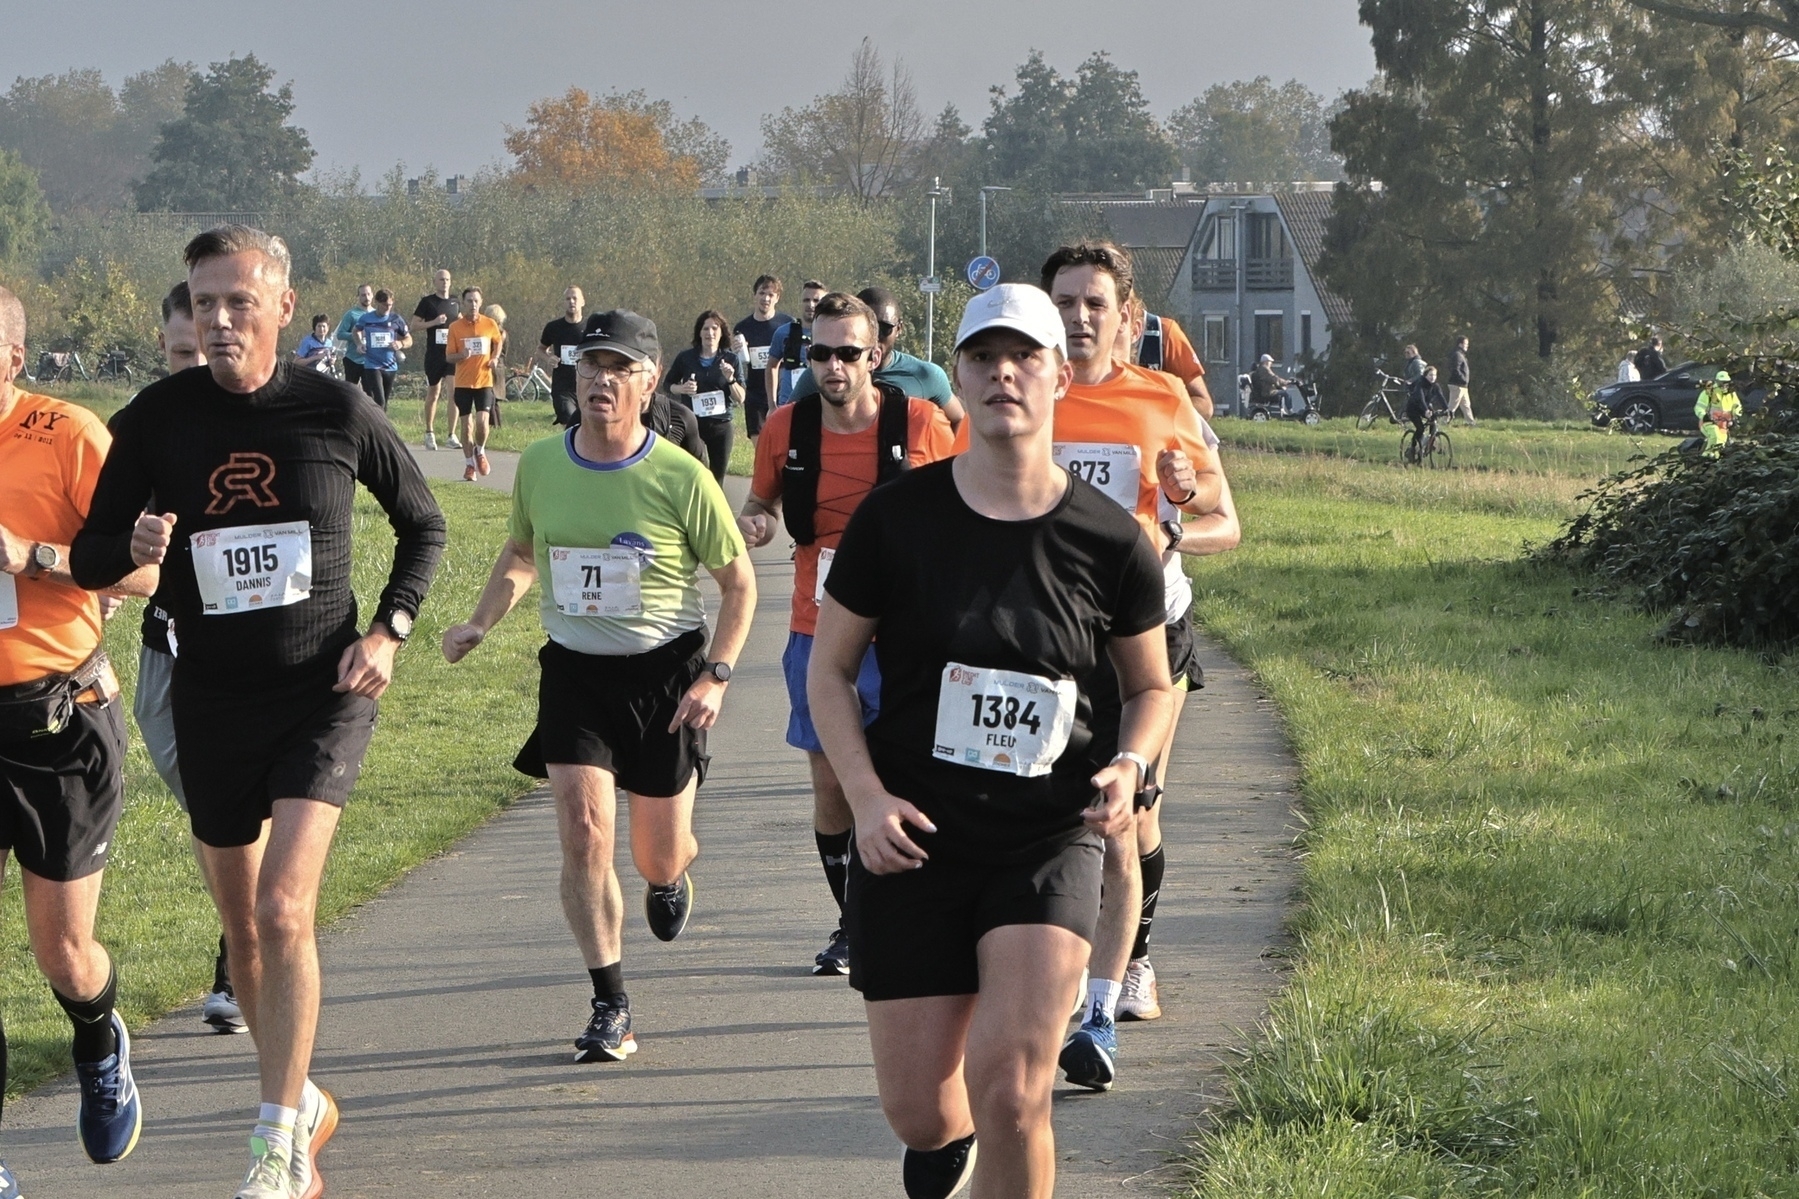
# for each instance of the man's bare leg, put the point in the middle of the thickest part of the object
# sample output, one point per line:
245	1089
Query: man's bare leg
586	826
432	391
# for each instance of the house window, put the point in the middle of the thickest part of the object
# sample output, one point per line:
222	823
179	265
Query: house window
1217	339
1271	335
1266	237
1221	239
1305	334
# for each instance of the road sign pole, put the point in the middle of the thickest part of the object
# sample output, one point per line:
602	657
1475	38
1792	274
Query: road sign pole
930	297
985	192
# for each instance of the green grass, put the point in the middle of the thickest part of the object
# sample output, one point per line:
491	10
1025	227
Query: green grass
1524	447
426	782
1550	871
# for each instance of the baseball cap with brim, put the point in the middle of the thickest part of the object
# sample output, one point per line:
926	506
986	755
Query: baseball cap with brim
1018	307
623	332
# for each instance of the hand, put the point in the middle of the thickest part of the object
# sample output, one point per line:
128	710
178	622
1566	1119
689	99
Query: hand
881	840
367	665
1174	471
459	639
1111	810
686	387
150	538
109	605
758	529
15	552
699	707
729	372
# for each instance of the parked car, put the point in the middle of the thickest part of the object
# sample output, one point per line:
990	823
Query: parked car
1665	402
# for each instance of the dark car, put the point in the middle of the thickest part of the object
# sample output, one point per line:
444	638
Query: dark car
1665	402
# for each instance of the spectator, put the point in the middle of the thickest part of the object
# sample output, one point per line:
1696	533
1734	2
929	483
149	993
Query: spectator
1265	384
1414	365
1457	383
1627	369
499	363
1650	366
315	348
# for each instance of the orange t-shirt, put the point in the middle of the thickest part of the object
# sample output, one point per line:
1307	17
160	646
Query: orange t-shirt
1110	434
1178	356
50	457
476	371
847	472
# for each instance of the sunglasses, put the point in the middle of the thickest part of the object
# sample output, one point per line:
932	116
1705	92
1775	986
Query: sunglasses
819	353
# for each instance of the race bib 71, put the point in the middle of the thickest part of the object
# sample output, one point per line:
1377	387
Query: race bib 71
596	582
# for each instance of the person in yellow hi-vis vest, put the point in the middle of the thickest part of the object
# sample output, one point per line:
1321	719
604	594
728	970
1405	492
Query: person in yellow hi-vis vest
1718	407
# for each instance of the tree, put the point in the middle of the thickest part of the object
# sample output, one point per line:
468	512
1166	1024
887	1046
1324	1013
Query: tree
24	216
1254	131
1779	17
87	144
866	136
617	142
232	149
1090	133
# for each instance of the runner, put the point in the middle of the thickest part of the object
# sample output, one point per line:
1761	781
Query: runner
315	349
703	378
1162	345
557	344
254	463
380	336
995	582
787	349
914	376
752	337
860	433
346	333
620	522
665	418
474	346
62	734
431	319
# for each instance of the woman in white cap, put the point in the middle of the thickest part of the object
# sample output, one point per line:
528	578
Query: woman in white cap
994	581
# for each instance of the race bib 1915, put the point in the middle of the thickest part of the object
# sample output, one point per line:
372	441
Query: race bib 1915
9	601
1003	720
249	567
708	403
596	582
1117	470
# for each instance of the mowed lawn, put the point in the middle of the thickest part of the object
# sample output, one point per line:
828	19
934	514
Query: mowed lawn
1548	942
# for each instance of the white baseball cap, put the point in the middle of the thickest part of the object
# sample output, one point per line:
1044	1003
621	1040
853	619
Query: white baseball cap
1018	307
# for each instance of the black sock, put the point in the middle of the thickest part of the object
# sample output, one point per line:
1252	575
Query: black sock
95	1038
609	982
221	971
1152	864
834	852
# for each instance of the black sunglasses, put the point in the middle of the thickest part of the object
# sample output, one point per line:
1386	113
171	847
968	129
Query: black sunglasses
819	353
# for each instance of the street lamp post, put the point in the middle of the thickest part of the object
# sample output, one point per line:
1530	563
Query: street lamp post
930	296
985	192
1238	208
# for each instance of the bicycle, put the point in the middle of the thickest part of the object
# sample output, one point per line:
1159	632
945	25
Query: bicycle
1371	411
523	384
59	366
1434	449
115	367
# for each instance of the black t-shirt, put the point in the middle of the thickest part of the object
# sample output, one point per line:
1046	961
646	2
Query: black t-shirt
1039	597
556	335
430	308
688	365
758	334
292	451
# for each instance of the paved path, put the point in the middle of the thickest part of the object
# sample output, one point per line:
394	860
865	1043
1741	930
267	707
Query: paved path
452	1001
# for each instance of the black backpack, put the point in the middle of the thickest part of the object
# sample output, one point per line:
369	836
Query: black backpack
799	476
793	353
1149	350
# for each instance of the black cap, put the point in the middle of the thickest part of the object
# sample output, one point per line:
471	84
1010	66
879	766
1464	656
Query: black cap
623	332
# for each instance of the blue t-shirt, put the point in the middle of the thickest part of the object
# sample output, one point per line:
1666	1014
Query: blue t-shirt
379	333
777	351
310	345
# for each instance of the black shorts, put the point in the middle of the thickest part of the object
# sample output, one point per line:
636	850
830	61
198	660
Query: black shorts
242	747
614	712
437	369
60	796
755	412
914	933
1183	655
473	399
352	371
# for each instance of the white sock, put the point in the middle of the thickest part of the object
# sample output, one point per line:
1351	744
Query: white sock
275	1124
1102	998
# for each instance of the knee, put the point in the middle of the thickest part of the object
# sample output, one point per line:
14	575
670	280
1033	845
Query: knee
919	1125
64	960
1010	1095
663	860
282	919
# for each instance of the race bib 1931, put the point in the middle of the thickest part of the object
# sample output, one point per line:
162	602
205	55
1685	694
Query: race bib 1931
569	356
596	582
9	601
1117	470
708	403
824	571
1003	720
249	567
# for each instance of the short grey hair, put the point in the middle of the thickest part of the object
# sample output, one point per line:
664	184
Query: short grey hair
12	319
227	240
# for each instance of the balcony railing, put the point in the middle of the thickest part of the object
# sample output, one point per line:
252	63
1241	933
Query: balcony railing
1259	274
1214	274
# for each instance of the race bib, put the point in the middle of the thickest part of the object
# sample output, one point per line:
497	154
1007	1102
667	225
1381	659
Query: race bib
596	582
441	335
570	356
1117	470
824	569
708	403
252	566
1002	720
9	601
381	339
759	358
476	346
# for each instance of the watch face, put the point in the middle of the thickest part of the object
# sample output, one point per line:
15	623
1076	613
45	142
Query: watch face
401	624
46	557
721	672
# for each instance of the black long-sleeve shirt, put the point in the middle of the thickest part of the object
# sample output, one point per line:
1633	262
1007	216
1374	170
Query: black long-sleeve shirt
293	450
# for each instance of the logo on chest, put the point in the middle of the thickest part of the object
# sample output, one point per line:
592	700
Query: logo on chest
246	477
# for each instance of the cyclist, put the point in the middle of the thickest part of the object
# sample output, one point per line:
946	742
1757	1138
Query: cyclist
431	317
1717	408
705	378
1424	402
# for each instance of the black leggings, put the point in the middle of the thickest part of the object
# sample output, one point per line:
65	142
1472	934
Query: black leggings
716	432
377	384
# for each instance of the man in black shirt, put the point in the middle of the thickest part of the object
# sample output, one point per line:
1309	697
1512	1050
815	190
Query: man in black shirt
557	344
751	337
1649	361
431	321
253	462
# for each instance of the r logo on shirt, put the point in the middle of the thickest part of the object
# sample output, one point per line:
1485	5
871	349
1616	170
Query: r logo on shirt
245	476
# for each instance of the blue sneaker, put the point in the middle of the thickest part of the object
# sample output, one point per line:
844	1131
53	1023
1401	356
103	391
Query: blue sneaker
9	1186
111	1115
1090	1055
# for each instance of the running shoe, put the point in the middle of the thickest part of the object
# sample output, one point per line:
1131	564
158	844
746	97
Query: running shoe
452	442
938	1173
318	1120
608	1037
1090	1055
468	473
222	1013
9	1186
1139	1000
835	957
431	441
270	1176
111	1115
667	908
481	462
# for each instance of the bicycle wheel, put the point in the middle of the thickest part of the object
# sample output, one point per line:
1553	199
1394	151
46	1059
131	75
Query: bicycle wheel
1439	454
1370	414
515	387
1408	448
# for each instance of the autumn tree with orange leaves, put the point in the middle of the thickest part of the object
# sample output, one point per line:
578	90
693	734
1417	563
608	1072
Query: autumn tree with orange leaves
616	142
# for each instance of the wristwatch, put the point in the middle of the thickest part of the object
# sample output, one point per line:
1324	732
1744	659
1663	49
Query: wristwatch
1137	760
44	558
398	623
1171	529
719	670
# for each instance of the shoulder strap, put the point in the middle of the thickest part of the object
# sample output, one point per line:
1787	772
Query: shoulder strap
799	474
1149	353
891	436
793	351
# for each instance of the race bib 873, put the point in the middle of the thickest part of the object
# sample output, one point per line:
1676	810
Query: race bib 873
1117	470
249	567
1003	720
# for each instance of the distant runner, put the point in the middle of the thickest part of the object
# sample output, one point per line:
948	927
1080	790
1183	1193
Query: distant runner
787	352
914	376
473	349
431	319
557	344
752	337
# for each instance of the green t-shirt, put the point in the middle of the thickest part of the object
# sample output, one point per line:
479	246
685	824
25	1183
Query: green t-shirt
618	545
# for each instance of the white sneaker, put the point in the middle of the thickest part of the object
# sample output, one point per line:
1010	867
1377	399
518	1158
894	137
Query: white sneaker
431	441
269	1176
1139	1000
452	442
222	1013
318	1120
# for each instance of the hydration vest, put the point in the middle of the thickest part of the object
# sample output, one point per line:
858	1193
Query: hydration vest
793	353
1149	349
799	476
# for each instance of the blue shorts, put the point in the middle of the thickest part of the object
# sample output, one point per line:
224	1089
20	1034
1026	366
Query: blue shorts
794	660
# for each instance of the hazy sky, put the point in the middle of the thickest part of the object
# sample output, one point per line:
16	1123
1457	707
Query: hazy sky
434	84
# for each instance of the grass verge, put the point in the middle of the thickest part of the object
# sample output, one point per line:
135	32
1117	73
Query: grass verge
1516	446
